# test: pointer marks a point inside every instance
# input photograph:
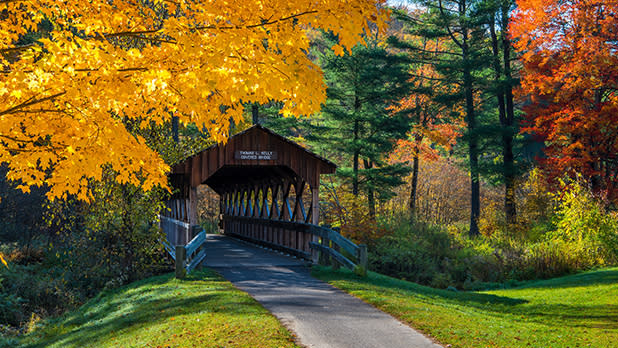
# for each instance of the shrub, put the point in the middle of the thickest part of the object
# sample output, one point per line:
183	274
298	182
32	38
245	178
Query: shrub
34	288
415	251
577	234
582	222
10	309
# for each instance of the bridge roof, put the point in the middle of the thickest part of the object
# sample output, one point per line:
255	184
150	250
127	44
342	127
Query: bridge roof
255	155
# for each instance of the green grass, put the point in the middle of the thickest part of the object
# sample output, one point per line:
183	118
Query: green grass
201	311
574	311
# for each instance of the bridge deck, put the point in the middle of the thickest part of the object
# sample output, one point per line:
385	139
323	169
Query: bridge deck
319	314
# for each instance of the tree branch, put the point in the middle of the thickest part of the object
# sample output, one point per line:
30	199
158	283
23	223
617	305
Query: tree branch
15	49
448	28
30	102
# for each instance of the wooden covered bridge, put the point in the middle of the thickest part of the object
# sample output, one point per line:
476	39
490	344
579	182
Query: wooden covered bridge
268	189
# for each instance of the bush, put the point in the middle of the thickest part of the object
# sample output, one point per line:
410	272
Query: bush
10	309
576	234
414	251
34	288
582	222
105	244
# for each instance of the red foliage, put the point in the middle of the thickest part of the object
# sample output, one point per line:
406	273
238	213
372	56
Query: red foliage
570	83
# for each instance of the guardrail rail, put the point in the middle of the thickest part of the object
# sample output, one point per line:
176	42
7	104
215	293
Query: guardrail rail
300	239
186	257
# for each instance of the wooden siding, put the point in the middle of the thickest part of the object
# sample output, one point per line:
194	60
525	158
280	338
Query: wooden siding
302	162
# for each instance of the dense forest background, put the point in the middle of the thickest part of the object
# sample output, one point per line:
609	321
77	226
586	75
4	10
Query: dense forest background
462	165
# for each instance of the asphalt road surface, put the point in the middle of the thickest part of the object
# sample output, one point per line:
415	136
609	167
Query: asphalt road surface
320	315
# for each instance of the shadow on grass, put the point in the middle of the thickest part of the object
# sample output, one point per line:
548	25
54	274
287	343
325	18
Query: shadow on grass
601	316
472	298
584	316
145	304
600	277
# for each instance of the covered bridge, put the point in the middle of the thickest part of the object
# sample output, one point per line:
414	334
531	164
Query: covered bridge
268	188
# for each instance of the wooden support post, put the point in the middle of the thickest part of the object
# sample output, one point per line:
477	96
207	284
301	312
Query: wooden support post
192	211
362	258
274	210
181	261
324	258
315	207
336	247
286	214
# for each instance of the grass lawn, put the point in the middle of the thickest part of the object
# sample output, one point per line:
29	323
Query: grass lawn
574	311
203	310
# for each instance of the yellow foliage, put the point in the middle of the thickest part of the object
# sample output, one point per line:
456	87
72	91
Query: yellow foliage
349	212
63	99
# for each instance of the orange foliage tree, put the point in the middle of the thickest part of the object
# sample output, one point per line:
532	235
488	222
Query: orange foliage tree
433	123
66	95
569	84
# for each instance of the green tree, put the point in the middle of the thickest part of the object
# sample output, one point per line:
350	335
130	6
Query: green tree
461	62
356	121
498	17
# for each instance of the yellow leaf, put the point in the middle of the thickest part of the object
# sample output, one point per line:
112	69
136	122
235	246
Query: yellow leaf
83	86
338	49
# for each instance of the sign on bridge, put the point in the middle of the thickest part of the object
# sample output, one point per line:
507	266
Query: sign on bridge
256	155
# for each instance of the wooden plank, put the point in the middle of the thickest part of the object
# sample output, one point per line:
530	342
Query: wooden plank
196	170
275	246
169	249
308	238
318	231
196	260
174	221
196	243
192	206
334	254
343	242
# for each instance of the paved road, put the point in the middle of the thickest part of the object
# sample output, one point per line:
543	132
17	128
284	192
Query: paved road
320	315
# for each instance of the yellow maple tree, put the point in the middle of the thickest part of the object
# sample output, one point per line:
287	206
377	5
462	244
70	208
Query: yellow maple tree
64	99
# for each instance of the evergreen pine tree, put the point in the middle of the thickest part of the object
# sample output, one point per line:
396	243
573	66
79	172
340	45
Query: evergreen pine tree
356	121
461	62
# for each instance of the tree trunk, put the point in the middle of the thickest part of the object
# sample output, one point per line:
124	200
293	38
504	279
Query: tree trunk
502	88
475	192
508	157
413	186
175	129
355	160
414	180
371	202
254	113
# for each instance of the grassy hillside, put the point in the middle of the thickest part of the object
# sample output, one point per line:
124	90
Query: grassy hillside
201	311
574	311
